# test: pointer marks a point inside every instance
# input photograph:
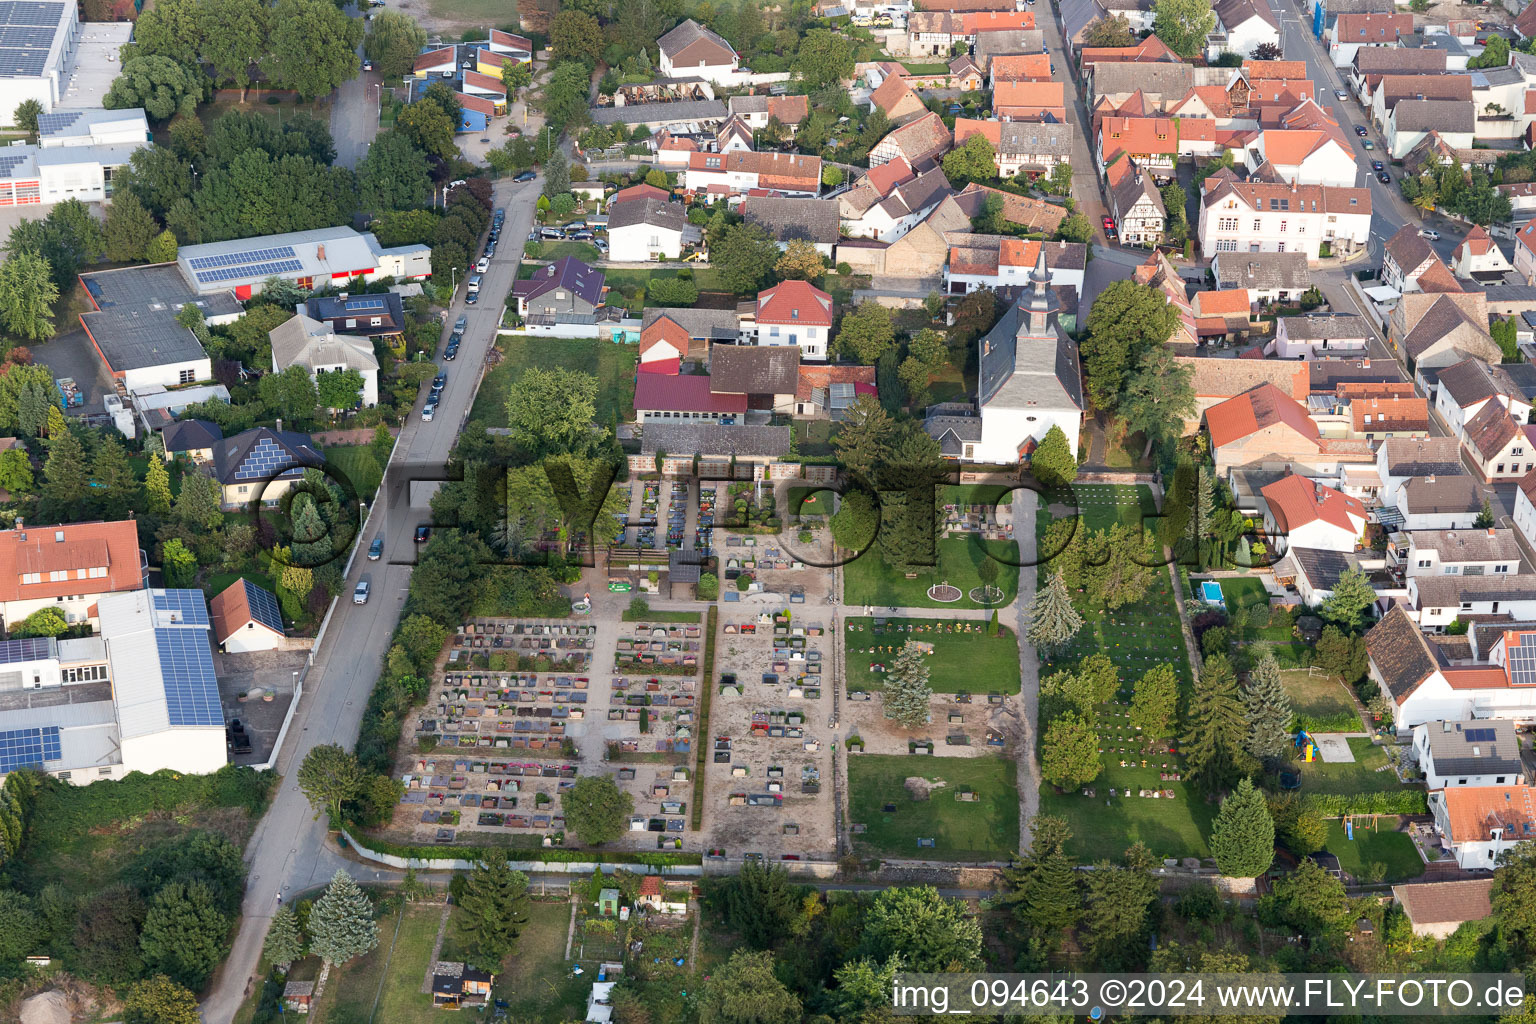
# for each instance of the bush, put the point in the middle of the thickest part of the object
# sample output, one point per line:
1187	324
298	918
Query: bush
845	268
1397	801
1200	902
639	607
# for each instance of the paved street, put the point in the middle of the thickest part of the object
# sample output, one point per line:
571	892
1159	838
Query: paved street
355	118
1085	177
287	852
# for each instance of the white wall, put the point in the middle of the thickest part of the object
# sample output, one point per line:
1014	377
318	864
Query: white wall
167	375
254	637
1434	780
74	608
198	751
811	339
638	242
1003	431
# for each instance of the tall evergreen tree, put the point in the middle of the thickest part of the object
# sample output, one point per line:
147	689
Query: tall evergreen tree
341	924
906	688
1053	622
157	483
1216	728
494	908
65	478
1269	711
1243	836
1053	461
1042	889
117	488
197	506
1115	919
285	942
1352	596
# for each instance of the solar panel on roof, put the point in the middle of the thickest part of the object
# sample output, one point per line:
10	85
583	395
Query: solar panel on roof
366	303
186	672
29	748
231	259
9	161
188	604
30	649
1479	735
266	459
263	606
250	270
1522	666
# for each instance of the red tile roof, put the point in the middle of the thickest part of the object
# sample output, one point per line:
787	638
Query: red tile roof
434	58
794	302
1296	501
887	176
1474	811
73	549
1229	302
683	393
486	82
995	21
1275	68
624	195
650	885
813	376
668	331
230	610
1396	413
1263	406
1023	98
1021	67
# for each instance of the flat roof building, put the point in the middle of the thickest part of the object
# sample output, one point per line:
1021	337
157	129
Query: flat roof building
312	259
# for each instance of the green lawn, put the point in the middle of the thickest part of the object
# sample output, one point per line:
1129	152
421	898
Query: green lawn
359	465
1375	854
1104	826
1358	776
869	580
1104	505
1321	701
987	829
537	981
486	12
613	365
926	69
655	616
813	438
584	251
706	279
961	662
1248	592
401	998
810	501
977	494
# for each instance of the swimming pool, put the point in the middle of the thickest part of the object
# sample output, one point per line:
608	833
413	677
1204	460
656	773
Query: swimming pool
1210	592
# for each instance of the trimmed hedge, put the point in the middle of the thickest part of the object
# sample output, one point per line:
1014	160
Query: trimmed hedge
1339	721
547	855
1399	801
702	733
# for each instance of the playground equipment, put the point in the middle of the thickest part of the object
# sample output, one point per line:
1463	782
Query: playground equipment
1306	745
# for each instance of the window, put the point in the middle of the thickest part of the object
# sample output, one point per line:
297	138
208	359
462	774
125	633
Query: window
186	376
31	577
243	488
1258	225
1282	227
1461	782
1517	451
1499	781
98	572
1226	246
1424	563
377	321
1280	247
1450	570
1499	468
351	322
104	771
58	576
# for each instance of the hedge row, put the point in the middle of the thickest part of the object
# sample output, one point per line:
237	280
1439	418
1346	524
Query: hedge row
702	734
1398	801
1339	721
547	855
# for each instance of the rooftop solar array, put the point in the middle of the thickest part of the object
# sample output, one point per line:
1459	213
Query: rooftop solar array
26	36
10	161
1479	735
266	460
368	302
47	124
31	649
29	748
263	606
189	603
186	669
231	259
1522	666
249	270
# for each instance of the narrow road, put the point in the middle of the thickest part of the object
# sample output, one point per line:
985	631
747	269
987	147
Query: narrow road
288	851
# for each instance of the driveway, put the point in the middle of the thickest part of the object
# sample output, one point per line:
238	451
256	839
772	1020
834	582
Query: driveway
287	851
71	354
355	117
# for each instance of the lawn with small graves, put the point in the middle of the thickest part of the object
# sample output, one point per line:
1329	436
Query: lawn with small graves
895	815
963	659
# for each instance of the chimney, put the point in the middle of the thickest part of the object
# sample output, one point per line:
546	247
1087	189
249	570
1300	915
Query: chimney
342	296
279	424
320	251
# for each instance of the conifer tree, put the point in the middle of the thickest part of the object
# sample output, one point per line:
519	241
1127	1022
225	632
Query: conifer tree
65	481
1215	728
341	924
197	506
494	905
285	943
1053	622
906	688
1269	711
56	424
1243	837
117	488
157	483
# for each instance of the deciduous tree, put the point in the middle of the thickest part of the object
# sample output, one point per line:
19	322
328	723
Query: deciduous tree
312	47
596	809
1312	901
1069	754
395	175
1159	396
925	930
234	40
800	261
866	332
160	85
330	776
972	160
1126	320
1183	24
824	58
550	411
745	258
745	991
1155	700
159	1000
393	42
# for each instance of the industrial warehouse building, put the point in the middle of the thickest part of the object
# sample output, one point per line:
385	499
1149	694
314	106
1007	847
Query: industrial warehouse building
37	43
76	154
141	696
311	259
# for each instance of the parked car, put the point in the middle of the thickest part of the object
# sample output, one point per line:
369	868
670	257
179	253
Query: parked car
367	65
360	595
1368	144
460	324
1384	178
602	246
439	382
1341	94
452	351
525	176
1360	130
582	236
422	533
551	234
376	549
1109	225
428	411
1429	233
1377	165
484	264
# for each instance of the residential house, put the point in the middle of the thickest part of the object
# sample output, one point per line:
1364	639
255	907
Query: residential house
788	220
917	257
68	567
646	229
1025	212
1140	215
932	33
795	313
1441	600
1305	156
1401	459
565	288
1435	330
1301	512
768	376
375	315
1019	67
1221	313
1030	101
1406	258
692	50
456	984
1148	50
1267	276
897	100
827	391
1159	81
1480	824
965	74
997	42
246	618
1525	252
1522	196
1468	753
1373	63
756	111
1489	552
192	439
920	143
624	195
1256	216
1138	13
733	136
1436	909
1352	31
1449	110
1033	148
991	261
1439	502
1215	380
262	465
1152	142
902	207
1029	381
1312	335
1265	428
1376	417
669	336
1463	389
1315	572
1478	258
1496	445
302	341
742	173
1241	27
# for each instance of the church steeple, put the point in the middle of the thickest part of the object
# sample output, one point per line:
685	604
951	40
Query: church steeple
1040	304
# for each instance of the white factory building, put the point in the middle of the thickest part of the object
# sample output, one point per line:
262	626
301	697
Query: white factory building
75	156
